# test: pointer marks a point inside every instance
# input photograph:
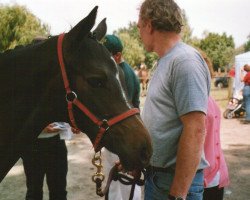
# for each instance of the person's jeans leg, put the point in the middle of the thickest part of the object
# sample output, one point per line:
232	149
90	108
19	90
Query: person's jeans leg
246	97
158	184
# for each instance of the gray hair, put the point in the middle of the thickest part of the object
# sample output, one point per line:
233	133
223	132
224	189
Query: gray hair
165	15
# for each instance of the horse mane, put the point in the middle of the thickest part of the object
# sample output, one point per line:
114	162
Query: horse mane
17	48
35	42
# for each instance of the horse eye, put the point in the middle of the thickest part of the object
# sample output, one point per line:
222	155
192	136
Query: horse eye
96	82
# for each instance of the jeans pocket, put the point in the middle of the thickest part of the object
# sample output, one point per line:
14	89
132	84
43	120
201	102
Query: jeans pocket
162	181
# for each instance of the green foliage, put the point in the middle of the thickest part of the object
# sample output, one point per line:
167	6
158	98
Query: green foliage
134	52
131	29
150	59
18	26
220	48
247	45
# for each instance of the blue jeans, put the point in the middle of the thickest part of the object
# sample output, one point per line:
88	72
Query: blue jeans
158	184
246	97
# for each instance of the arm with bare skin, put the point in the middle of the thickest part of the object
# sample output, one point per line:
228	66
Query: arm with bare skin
189	152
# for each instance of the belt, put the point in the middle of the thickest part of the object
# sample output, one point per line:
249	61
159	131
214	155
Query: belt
247	84
165	170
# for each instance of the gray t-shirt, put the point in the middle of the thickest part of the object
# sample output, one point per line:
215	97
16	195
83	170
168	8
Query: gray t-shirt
180	84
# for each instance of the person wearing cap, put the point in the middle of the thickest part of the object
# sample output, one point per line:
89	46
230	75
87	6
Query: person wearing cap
117	190
115	47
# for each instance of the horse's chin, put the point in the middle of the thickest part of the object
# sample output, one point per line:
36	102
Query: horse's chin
129	167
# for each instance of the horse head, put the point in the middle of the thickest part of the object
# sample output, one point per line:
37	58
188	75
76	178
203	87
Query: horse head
99	85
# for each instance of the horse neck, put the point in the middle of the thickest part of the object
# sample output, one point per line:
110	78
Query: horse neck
36	80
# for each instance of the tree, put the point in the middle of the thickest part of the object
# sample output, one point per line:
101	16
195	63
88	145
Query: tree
247	45
134	51
220	48
18	26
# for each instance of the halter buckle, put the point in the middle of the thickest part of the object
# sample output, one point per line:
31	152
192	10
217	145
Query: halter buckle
70	96
105	125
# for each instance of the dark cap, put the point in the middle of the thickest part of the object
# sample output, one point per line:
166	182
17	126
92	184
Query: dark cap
113	44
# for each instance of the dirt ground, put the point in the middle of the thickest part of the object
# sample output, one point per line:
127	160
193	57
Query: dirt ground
235	139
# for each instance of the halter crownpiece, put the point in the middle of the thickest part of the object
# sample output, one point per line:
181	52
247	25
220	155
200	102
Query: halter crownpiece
71	98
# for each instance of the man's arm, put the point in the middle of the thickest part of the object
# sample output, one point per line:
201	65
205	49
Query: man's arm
189	152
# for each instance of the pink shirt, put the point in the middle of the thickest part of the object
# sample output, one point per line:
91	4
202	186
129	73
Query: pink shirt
212	147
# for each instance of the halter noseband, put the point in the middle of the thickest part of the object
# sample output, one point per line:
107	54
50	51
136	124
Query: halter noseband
71	98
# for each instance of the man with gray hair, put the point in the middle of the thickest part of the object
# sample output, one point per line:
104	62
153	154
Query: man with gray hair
175	108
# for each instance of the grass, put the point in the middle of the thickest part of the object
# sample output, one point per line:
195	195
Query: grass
221	96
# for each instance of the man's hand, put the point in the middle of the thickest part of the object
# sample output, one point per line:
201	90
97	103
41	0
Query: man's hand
75	130
51	129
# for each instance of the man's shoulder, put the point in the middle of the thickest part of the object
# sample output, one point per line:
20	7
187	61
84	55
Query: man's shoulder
186	52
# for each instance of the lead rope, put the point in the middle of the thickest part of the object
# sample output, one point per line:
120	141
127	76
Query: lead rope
98	177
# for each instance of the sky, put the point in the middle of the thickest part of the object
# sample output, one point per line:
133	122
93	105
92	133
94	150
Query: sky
217	16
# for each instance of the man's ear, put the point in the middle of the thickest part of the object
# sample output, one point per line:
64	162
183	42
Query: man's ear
117	57
149	27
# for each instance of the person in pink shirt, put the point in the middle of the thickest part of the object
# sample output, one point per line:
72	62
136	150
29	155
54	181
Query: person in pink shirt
216	175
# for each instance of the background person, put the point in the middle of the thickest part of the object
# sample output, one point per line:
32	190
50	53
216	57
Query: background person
48	156
143	75
246	92
175	108
117	190
216	176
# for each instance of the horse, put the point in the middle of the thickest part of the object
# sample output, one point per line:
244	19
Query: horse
143	76
69	78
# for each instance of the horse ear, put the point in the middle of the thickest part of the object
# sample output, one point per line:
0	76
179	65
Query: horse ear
100	30
77	33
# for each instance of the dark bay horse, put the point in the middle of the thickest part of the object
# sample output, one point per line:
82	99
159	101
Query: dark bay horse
33	95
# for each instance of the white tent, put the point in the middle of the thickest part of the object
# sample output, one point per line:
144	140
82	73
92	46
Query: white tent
240	61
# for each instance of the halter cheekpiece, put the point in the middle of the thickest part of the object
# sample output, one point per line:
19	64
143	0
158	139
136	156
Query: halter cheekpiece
71	98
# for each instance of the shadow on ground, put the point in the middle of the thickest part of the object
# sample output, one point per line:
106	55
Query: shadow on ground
237	158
